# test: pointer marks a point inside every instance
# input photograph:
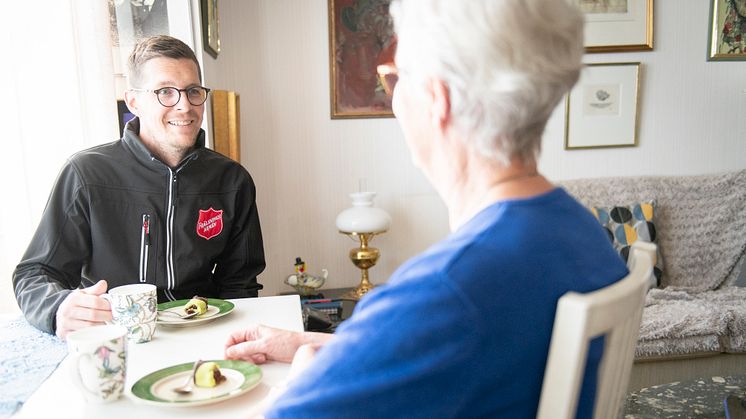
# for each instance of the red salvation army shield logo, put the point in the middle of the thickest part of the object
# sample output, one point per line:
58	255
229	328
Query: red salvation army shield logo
210	223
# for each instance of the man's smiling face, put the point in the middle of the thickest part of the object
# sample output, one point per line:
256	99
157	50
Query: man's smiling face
170	130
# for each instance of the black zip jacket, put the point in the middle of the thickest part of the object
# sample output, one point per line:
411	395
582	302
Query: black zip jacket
118	213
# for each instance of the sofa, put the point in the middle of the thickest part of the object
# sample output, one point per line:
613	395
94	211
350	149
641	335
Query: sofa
694	320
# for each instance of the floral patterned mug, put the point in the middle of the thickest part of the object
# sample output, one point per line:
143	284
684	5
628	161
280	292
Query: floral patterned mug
135	307
98	361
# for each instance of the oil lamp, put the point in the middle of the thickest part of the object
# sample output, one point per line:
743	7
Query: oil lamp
363	221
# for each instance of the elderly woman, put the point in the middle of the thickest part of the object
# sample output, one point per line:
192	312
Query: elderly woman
463	329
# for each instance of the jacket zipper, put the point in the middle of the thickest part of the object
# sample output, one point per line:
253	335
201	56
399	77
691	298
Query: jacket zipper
144	247
170	275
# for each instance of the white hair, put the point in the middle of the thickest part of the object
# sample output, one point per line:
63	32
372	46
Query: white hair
506	63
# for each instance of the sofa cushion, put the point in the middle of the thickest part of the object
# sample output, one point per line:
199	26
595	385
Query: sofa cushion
626	224
679	323
676	323
730	300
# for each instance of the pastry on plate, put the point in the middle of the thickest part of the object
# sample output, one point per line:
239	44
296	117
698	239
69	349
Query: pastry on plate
208	375
196	304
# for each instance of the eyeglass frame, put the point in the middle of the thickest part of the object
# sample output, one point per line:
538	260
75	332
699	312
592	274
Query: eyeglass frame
157	96
384	70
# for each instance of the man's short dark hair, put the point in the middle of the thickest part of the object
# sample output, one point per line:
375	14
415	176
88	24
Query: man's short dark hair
155	47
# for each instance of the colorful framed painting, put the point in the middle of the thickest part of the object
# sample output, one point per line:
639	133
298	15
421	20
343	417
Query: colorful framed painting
210	27
617	25
727	30
361	37
601	110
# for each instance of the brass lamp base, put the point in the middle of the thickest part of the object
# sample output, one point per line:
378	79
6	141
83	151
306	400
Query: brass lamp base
363	257
358	292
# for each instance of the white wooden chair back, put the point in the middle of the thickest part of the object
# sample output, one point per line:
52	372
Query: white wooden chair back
614	311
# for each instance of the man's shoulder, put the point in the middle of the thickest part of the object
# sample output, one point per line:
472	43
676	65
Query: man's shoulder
215	158
98	152
101	163
212	162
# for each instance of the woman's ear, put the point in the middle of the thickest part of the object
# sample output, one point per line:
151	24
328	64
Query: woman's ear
440	109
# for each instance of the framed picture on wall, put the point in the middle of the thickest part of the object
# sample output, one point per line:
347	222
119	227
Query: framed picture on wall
727	30
210	27
601	110
361	36
617	25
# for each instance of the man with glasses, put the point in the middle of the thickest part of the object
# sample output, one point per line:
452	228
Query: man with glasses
154	207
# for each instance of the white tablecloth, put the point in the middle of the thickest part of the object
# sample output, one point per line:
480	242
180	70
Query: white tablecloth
58	398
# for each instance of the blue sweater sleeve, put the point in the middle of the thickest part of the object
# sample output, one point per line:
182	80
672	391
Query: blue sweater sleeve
386	355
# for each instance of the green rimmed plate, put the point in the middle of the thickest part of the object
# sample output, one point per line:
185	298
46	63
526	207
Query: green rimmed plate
157	388
215	309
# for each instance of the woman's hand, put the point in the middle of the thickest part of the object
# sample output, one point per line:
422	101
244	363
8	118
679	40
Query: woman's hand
260	344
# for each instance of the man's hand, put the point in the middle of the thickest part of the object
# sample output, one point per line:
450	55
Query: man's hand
260	344
83	308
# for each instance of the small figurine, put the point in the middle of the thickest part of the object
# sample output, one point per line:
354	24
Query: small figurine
300	266
305	284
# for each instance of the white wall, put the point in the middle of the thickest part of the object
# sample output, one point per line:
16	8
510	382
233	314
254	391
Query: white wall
692	111
275	55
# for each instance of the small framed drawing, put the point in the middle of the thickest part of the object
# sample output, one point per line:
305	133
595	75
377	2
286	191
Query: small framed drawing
210	27
617	25
361	36
727	30
601	110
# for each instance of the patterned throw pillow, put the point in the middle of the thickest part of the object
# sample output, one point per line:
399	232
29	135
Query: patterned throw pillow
627	224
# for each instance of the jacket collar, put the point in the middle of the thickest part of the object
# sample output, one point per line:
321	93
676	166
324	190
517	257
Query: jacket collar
133	142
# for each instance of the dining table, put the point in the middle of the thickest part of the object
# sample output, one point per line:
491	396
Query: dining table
58	396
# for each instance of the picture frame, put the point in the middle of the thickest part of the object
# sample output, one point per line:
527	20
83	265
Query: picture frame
226	123
361	37
124	115
210	27
727	31
601	111
617	25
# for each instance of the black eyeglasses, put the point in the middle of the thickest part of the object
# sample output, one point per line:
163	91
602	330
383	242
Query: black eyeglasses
388	74
170	96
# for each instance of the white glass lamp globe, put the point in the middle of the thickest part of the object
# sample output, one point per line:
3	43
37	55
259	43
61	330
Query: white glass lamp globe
363	217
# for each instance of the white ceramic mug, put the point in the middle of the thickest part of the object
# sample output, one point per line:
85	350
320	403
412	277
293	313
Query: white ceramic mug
135	307
99	361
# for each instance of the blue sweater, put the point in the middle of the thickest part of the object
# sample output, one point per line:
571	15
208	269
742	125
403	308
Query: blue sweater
463	329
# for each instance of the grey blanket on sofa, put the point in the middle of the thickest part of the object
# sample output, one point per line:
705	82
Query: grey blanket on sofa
701	233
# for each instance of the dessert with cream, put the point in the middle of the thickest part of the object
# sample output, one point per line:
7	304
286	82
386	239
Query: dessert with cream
208	375
196	305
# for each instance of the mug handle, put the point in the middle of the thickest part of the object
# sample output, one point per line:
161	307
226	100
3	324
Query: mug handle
78	377
107	297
